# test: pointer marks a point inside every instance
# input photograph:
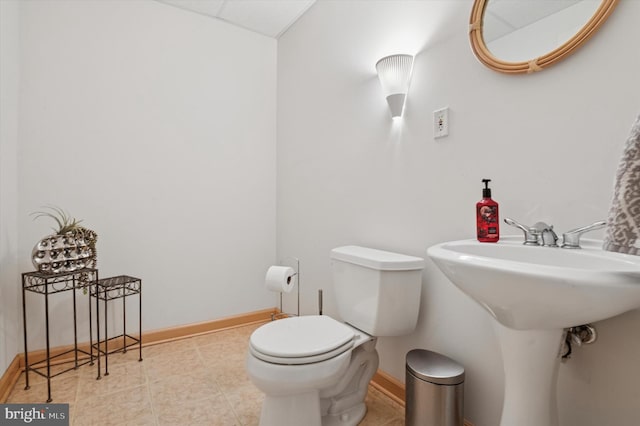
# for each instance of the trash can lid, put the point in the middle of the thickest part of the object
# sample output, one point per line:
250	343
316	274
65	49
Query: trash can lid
434	367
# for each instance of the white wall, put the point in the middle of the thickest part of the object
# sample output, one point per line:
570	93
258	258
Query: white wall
157	127
9	281
550	141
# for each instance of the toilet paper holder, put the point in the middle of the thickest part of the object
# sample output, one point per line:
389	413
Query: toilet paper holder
296	268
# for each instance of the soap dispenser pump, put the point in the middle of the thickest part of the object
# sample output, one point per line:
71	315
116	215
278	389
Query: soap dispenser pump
487	221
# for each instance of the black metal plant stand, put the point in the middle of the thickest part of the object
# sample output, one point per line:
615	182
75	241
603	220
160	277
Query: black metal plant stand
112	288
48	284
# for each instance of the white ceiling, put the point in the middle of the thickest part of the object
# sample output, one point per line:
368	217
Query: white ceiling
269	17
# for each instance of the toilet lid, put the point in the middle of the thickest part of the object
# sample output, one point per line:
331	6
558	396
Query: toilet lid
302	337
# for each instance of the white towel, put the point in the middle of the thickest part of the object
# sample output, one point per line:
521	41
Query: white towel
623	224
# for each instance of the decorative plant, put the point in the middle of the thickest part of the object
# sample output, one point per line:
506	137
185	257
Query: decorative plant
72	247
62	218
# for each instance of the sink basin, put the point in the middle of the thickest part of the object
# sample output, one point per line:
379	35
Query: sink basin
534	293
531	287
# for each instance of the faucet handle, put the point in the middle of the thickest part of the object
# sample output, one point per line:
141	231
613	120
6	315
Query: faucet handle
571	239
530	234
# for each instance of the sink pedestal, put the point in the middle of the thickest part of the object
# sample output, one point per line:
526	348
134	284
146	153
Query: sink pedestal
531	364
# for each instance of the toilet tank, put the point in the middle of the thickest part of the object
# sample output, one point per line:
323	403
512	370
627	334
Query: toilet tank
377	291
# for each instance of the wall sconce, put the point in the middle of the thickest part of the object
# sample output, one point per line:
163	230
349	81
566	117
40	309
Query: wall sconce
394	73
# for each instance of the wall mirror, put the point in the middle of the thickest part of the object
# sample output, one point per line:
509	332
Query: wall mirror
524	36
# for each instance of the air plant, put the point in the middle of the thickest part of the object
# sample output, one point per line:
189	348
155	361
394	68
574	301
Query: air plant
65	222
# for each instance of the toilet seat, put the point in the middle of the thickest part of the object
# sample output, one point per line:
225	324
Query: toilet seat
301	340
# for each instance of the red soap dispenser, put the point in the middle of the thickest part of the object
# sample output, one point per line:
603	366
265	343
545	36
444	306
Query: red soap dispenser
487	221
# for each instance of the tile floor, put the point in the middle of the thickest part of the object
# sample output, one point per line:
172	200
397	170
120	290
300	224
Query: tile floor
195	381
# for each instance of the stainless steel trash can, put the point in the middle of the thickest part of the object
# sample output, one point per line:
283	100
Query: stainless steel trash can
434	390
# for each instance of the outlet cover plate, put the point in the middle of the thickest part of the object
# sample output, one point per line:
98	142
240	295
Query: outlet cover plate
441	123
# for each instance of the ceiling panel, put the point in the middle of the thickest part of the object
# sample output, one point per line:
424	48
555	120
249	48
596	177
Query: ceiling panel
269	17
205	7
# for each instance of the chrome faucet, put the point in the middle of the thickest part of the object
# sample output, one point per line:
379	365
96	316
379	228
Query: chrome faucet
546	235
539	234
571	239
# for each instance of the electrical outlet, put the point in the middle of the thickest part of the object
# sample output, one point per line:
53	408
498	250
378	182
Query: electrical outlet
441	123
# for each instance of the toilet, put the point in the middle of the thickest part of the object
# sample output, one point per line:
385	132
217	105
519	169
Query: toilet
315	370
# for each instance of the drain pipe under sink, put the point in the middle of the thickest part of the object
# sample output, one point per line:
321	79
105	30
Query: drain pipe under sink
582	334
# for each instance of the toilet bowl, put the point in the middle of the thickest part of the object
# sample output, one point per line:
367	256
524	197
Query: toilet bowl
315	370
304	367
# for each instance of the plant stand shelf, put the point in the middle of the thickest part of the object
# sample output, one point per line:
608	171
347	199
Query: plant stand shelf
112	288
47	284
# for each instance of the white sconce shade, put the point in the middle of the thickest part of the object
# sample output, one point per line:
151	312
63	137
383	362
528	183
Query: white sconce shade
394	73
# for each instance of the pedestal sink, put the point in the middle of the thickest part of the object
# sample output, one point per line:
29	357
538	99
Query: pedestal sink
534	293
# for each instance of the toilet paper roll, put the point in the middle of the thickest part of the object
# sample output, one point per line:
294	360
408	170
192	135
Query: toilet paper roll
280	278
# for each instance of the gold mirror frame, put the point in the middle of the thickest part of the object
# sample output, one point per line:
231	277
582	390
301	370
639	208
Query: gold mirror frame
535	64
